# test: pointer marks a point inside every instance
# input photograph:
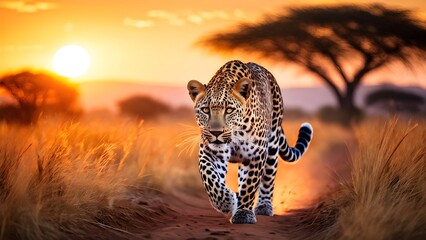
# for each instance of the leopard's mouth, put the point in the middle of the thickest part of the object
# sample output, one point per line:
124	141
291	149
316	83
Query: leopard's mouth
217	142
217	138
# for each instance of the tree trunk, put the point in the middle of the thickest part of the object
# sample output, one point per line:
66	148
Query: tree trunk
28	113
347	104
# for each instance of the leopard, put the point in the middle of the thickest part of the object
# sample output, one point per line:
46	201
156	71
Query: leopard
239	113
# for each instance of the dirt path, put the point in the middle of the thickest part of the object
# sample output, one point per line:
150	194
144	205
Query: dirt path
192	216
196	219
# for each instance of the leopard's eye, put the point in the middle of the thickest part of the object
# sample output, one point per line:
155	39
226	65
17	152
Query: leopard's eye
230	110
205	109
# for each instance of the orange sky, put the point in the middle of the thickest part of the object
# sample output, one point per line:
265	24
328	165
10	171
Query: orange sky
152	41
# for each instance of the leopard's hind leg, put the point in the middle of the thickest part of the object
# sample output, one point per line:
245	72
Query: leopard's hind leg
266	188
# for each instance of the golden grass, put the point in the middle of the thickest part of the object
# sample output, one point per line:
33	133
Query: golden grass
68	179
62	179
86	180
385	198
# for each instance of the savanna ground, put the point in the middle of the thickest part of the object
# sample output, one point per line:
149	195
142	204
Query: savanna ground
123	179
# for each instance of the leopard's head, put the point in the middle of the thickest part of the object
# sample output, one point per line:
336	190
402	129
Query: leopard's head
220	107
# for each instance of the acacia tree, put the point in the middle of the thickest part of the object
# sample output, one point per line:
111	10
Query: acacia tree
339	44
396	100
40	92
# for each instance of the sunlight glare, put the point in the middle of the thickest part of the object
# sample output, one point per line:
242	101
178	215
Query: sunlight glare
71	61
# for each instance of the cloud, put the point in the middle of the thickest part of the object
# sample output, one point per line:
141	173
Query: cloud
28	6
138	23
205	16
195	19
182	18
172	18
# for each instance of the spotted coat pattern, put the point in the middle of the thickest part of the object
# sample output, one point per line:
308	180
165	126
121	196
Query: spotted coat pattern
240	112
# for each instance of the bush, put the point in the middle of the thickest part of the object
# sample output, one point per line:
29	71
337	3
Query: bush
10	113
143	107
394	100
334	115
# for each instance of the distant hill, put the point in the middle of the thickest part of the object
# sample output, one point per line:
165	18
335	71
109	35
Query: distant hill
105	95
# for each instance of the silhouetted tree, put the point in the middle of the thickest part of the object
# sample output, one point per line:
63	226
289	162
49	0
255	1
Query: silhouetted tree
143	107
339	44
395	100
37	93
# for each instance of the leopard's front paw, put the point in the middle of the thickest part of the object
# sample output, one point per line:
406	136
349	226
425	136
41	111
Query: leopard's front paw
228	204
242	216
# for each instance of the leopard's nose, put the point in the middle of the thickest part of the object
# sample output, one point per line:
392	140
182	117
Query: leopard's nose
216	133
215	125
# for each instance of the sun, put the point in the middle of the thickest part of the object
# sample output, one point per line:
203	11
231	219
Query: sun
71	61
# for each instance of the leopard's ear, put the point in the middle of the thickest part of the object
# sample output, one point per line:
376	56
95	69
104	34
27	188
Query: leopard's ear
242	88
196	89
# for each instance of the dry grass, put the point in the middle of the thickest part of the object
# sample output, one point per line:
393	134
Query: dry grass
64	180
385	198
100	179
83	180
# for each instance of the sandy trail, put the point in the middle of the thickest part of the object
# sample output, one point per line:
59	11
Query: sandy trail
194	218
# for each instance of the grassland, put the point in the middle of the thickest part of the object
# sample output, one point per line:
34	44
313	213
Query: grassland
100	179
385	195
65	179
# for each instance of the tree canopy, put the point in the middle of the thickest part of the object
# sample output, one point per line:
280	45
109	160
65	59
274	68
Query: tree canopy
339	44
40	92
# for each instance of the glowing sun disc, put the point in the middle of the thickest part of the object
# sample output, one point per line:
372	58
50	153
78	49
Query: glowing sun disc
71	61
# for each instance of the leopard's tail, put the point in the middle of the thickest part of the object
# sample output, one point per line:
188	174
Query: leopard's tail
292	154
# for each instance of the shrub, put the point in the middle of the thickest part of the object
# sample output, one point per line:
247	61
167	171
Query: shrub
143	107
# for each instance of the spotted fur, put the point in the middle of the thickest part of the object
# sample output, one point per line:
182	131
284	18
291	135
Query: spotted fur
240	112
